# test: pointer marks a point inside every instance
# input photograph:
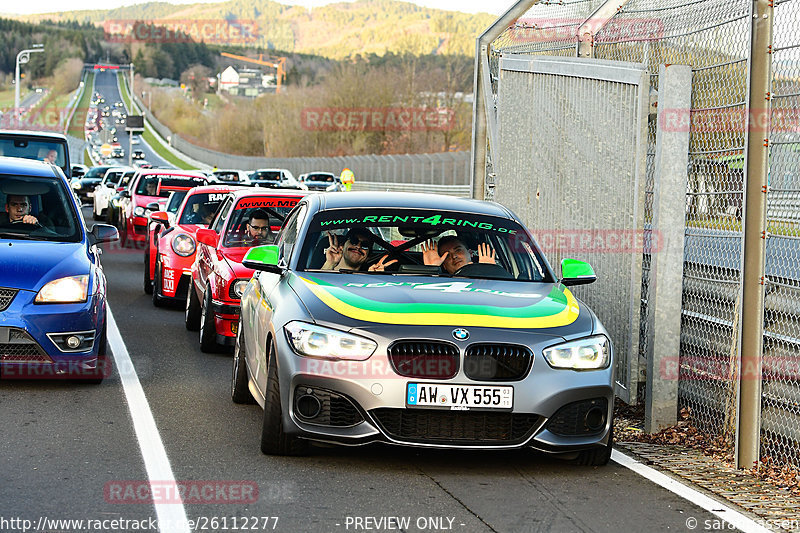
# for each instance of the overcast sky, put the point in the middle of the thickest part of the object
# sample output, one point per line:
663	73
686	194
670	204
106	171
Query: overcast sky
50	6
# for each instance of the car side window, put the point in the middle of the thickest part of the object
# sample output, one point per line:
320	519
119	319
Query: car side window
288	236
216	225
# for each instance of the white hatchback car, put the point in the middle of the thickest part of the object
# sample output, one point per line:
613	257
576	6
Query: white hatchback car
107	188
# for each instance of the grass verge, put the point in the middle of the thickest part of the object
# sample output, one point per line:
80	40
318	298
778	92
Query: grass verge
76	127
149	136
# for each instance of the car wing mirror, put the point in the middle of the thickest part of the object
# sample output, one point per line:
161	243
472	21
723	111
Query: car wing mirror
264	258
574	272
160	216
207	236
103	233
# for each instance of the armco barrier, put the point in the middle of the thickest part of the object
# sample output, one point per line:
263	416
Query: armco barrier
447	168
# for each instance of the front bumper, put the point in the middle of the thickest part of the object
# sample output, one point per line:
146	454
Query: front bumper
30	336
176	274
226	321
549	412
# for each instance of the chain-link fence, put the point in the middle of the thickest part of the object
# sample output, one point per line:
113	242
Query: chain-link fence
713	37
781	367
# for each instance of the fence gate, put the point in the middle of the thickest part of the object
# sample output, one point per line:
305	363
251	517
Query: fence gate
571	160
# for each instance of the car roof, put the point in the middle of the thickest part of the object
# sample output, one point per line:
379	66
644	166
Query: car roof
173	172
209	188
410	200
42	134
281	193
26	167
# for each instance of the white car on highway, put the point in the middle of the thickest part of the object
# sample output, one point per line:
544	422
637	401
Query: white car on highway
106	189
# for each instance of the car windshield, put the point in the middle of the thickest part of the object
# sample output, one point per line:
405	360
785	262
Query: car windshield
113	176
175	201
251	211
320	178
227	176
200	207
37	208
266	175
151	184
96	173
32	148
471	245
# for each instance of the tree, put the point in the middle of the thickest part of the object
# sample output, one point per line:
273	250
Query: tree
196	78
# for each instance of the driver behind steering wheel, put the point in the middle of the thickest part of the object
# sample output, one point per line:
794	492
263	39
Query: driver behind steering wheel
18	211
452	254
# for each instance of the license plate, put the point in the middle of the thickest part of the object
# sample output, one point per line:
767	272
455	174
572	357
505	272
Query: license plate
459	397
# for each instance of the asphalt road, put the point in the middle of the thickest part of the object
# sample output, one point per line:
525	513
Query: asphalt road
106	84
65	444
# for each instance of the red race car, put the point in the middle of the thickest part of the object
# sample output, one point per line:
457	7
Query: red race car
149	186
170	254
246	218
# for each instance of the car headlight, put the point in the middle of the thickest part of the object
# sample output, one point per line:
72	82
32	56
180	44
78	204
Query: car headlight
138	211
183	245
237	288
69	290
591	353
76	185
316	341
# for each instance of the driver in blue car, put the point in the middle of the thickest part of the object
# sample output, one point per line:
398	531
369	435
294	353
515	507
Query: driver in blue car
18	211
451	254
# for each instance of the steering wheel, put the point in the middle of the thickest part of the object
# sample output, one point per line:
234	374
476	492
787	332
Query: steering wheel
483	269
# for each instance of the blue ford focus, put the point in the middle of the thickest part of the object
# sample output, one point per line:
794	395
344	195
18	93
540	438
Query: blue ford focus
52	286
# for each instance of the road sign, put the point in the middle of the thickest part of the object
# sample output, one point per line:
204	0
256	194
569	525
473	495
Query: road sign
105	150
134	124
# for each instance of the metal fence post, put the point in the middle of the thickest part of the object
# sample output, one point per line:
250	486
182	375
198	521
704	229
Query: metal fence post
666	267
754	229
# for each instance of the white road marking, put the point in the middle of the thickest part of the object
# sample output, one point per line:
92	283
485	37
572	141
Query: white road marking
171	516
724	512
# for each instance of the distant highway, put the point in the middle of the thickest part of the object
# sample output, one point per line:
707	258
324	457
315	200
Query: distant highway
106	83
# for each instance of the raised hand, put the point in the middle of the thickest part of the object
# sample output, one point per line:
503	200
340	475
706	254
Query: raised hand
333	253
486	254
380	265
430	255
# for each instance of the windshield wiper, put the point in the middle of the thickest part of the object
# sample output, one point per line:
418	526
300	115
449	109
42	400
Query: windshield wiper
25	236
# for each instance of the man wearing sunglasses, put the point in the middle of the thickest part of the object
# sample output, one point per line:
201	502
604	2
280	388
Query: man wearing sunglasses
256	229
351	254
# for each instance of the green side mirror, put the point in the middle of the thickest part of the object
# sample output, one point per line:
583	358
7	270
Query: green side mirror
574	272
263	258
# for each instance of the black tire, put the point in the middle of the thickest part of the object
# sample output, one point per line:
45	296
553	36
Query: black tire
273	440
598	456
158	301
191	315
123	234
110	216
95	216
208	331
240	393
148	283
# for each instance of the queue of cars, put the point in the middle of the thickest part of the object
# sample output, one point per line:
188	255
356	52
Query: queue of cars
409	319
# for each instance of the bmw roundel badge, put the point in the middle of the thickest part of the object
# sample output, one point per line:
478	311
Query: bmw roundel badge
460	334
